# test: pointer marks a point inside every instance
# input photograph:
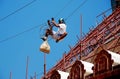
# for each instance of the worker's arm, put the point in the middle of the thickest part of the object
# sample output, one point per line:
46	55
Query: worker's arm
53	21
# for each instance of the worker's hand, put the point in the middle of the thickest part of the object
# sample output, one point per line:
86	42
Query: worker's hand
54	23
52	19
48	21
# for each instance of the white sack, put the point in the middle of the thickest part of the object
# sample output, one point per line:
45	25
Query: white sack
45	47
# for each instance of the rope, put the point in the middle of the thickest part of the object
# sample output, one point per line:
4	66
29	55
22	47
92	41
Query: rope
17	10
76	9
18	34
63	8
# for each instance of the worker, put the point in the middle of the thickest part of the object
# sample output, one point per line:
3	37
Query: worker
60	34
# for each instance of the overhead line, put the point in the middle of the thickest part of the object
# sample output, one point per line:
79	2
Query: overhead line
63	8
37	25
17	10
18	34
76	9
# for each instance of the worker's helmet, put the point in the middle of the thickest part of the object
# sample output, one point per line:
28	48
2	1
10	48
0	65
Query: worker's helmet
61	20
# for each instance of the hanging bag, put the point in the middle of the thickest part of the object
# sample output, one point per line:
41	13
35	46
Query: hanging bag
45	47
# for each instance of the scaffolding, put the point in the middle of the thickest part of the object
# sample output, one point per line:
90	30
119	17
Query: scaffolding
105	36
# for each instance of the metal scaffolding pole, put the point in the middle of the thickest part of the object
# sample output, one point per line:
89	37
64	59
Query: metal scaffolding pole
27	67
80	35
10	75
44	65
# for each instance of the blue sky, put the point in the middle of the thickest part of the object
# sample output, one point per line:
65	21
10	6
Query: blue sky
14	51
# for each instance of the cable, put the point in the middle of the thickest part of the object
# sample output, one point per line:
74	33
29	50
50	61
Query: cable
36	25
76	9
17	10
18	34
63	8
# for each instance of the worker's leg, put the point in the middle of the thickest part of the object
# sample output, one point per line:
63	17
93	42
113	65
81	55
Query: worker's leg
61	37
48	31
55	35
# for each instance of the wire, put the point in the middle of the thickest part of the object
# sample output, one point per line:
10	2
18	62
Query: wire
63	8
17	10
76	9
18	34
42	25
